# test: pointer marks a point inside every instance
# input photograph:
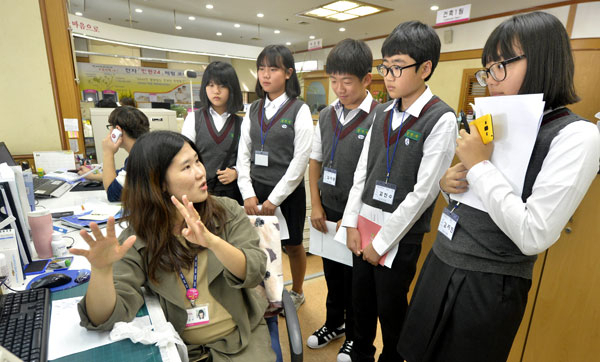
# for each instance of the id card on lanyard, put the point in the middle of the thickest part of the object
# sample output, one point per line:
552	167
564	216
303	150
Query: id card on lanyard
448	222
329	173
261	158
385	191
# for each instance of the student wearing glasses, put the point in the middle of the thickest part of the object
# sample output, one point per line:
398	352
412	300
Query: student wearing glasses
409	145
131	123
472	291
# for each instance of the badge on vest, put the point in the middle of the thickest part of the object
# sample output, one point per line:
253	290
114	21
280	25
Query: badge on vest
413	135
448	223
261	158
286	122
329	176
361	132
384	192
197	316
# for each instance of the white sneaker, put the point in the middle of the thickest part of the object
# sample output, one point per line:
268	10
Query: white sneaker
344	354
322	336
298	299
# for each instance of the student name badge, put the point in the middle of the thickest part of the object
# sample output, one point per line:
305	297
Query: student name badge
448	223
329	176
261	158
197	316
384	192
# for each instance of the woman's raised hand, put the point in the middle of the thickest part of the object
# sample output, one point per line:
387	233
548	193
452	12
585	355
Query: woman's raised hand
195	232
104	250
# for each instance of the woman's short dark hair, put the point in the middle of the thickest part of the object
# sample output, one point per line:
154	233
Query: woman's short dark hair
148	207
281	57
131	120
350	57
222	73
127	101
415	39
544	41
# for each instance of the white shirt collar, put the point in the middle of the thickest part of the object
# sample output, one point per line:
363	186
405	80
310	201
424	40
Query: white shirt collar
415	108
365	104
214	113
277	102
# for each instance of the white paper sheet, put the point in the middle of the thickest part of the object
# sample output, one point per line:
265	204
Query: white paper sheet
516	120
51	161
324	245
283	229
67	336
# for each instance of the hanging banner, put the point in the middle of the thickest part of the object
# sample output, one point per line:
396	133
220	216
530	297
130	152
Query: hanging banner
144	84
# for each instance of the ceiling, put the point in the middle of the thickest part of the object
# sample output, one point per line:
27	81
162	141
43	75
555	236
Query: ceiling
157	16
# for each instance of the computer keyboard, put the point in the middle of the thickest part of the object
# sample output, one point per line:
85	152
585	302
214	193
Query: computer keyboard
25	324
39	182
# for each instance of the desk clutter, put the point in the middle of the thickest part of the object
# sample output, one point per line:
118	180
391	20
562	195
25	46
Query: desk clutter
60	280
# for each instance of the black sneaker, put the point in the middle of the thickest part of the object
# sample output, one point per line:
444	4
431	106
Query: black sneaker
344	353
322	336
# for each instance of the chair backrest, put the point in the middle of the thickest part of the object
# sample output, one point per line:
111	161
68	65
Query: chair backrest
272	285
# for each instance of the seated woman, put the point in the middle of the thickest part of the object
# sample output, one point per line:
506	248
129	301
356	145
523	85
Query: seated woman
197	252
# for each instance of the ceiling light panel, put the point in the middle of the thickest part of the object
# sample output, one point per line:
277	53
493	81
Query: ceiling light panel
341	5
339	11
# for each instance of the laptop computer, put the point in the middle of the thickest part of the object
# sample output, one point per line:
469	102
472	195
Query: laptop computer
42	188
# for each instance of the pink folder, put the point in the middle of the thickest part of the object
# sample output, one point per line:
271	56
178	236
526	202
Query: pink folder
368	230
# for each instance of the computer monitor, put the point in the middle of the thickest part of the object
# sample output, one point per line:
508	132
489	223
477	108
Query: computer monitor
165	105
5	155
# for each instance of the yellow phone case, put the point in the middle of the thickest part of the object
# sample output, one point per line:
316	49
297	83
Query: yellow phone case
485	128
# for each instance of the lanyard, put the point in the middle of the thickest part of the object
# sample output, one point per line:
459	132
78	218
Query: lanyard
191	294
387	150
336	136
263	138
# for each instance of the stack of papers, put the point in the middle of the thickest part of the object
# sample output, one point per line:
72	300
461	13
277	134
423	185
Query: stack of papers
516	121
98	213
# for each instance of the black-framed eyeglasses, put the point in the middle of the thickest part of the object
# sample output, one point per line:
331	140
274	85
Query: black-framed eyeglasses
395	69
108	126
496	70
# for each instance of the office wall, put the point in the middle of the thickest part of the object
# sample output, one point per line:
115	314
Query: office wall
246	72
187	57
107	48
447	77
28	119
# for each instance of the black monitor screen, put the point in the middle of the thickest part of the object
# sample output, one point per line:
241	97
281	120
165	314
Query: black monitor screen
165	105
5	155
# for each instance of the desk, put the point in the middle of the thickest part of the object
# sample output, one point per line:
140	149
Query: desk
124	350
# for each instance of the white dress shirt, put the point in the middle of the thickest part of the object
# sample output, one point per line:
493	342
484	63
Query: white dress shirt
303	129
189	125
317	151
438	152
567	172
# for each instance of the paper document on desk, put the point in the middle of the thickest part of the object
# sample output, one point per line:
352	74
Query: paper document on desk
325	245
67	336
50	161
516	121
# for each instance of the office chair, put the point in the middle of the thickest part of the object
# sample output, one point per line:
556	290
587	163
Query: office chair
272	288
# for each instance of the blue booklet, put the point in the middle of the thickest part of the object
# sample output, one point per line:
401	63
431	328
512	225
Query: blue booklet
75	221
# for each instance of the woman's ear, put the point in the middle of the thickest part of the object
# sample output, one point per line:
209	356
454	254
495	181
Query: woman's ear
288	73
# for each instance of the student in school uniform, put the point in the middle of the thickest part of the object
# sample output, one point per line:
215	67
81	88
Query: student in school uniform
472	290
131	123
410	144
337	142
215	128
273	153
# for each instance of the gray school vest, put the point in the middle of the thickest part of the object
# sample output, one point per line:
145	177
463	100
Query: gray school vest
345	158
406	162
213	145
478	244
278	134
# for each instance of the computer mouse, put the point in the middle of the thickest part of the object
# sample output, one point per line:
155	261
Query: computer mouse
91	183
82	277
51	280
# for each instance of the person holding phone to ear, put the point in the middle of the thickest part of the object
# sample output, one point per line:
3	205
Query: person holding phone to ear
125	125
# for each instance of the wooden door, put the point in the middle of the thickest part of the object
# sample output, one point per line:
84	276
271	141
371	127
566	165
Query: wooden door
566	320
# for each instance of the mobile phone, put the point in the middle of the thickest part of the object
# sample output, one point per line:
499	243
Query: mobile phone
115	135
60	263
36	267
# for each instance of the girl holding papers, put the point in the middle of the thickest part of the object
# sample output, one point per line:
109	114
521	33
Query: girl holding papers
173	224
472	291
